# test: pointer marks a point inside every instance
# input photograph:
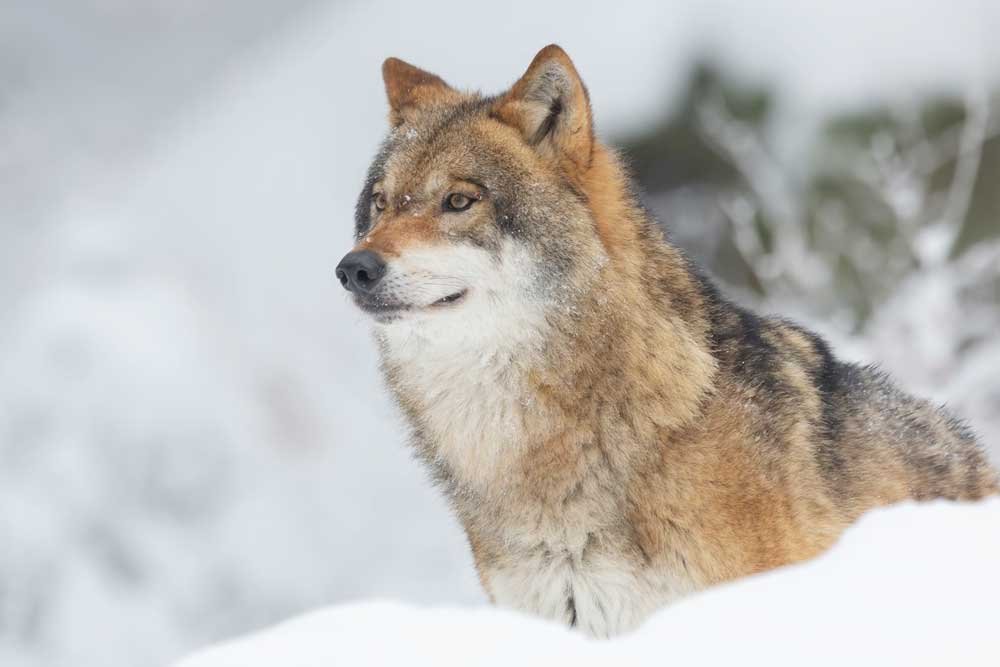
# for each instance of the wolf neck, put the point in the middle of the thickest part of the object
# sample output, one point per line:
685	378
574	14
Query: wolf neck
654	332
628	364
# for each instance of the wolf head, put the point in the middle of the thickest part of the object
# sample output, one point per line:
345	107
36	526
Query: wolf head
477	214
510	272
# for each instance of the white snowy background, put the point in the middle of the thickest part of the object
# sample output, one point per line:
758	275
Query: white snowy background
194	442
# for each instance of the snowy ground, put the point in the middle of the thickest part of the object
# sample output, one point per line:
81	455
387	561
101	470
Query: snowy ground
877	598
193	438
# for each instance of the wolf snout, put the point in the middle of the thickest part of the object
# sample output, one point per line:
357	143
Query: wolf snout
360	271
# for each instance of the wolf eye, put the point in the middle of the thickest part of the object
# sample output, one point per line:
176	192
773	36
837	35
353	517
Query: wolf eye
456	201
378	198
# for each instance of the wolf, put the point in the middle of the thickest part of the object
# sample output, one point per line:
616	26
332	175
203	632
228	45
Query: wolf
611	431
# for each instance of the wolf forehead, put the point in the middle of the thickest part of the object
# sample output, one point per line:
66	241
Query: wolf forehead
465	142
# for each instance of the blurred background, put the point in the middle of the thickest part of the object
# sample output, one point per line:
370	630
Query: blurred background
194	441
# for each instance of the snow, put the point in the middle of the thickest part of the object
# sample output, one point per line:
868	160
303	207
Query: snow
912	584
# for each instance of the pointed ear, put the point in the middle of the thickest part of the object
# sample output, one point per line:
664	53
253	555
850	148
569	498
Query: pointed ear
550	106
409	88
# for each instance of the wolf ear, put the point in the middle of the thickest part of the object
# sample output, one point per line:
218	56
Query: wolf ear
550	107
409	88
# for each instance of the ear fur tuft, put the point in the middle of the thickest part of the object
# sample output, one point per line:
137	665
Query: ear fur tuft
550	106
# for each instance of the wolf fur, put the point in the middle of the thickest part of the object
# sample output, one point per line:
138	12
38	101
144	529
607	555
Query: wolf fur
610	430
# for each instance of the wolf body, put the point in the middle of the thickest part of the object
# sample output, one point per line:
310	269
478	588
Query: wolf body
610	430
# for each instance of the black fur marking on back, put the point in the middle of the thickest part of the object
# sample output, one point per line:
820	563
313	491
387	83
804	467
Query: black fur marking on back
831	378
721	312
755	359
738	339
741	342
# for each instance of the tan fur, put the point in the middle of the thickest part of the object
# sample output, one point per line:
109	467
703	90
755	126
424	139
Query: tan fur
410	89
632	437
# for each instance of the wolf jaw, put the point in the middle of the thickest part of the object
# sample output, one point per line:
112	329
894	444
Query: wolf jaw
611	432
384	311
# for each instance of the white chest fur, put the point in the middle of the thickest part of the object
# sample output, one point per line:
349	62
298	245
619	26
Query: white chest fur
467	376
601	595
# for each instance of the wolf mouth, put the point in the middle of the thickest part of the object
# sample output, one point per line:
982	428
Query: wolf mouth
386	311
450	299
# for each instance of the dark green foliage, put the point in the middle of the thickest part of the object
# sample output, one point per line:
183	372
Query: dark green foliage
860	200
673	153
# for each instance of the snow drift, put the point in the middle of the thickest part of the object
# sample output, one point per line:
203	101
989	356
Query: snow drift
912	584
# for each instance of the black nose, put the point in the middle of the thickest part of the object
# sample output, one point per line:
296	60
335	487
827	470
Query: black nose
360	271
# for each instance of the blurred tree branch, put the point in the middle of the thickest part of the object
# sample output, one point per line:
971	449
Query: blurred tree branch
883	192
